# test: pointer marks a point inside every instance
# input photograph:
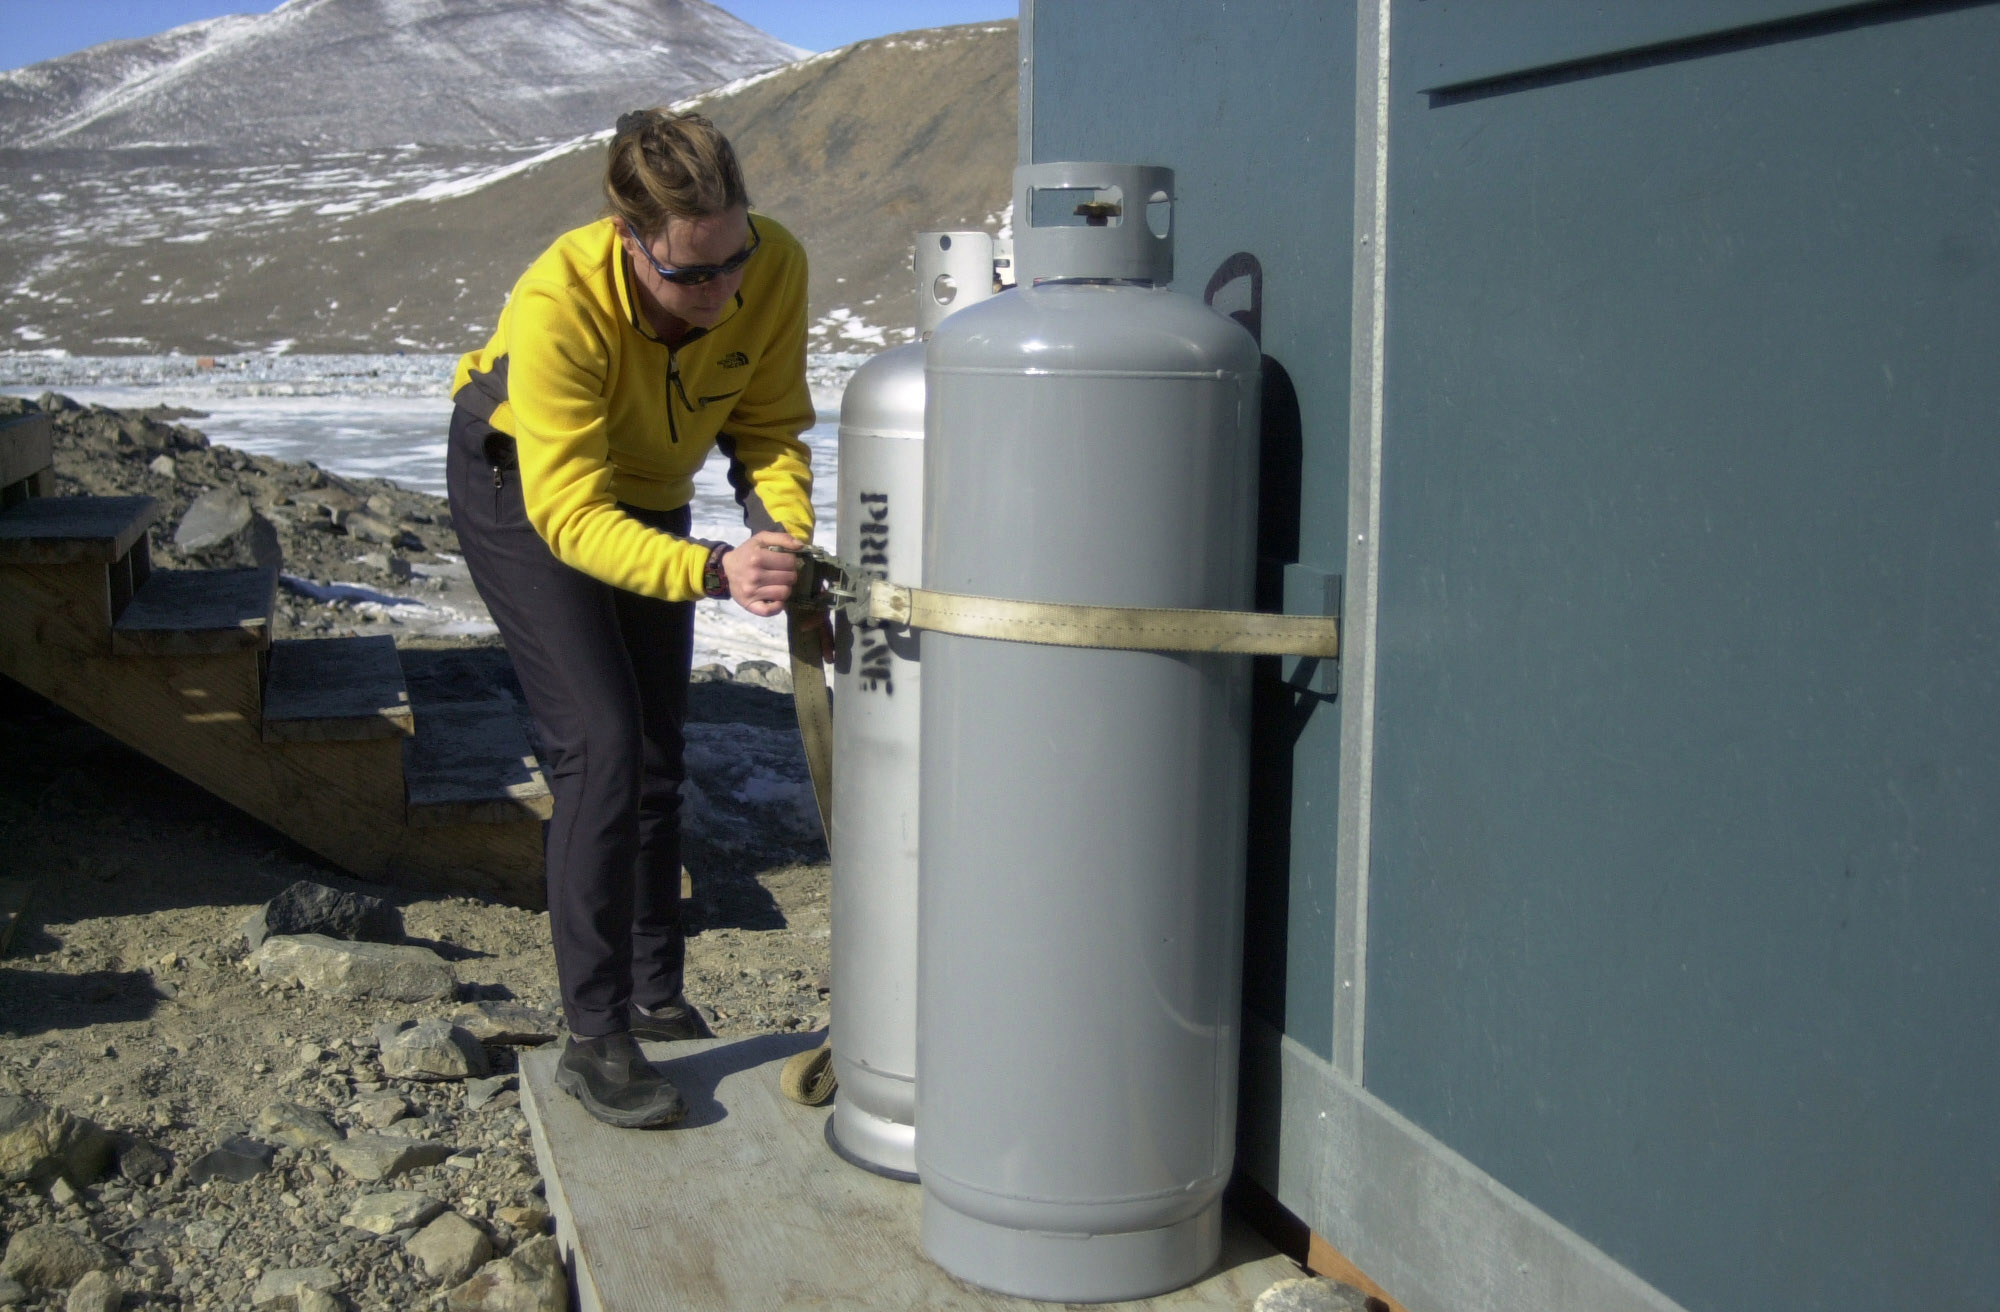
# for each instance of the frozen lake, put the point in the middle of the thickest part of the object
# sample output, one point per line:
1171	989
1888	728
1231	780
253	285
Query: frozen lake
386	417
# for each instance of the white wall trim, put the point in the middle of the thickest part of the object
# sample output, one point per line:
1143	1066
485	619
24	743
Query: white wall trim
1025	114
1364	539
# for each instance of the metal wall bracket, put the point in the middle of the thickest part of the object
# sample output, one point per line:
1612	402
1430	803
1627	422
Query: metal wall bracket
1294	589
1309	591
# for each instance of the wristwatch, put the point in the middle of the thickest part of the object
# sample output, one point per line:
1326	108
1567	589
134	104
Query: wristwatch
714	583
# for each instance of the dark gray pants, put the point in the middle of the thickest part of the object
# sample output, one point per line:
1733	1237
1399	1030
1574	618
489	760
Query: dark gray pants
606	673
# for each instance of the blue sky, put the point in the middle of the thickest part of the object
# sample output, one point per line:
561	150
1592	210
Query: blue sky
42	29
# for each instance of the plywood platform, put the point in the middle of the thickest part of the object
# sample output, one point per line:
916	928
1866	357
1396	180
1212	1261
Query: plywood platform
743	1206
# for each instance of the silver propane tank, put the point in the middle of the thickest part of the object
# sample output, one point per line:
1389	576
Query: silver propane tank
874	831
1091	438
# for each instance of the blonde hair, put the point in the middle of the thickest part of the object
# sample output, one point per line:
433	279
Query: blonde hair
665	165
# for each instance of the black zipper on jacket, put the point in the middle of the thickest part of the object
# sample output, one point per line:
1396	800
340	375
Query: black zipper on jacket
673	379
673	376
674	382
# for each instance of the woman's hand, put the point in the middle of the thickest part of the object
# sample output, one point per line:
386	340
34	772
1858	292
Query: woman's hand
761	572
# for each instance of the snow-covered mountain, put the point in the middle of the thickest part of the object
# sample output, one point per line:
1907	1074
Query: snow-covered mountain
413	247
364	74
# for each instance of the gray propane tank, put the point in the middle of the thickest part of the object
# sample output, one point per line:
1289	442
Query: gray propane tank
1091	438
874	832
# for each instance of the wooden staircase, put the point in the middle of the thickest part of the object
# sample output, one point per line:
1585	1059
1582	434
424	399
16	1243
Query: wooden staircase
317	738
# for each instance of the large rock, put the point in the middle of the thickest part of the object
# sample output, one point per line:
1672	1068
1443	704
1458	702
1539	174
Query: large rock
379	1111
433	1050
50	1257
451	1248
309	908
214	517
356	970
384	1156
530	1279
288	1281
207	1236
526	1218
386	1213
236	1159
296	1126
367	528
764	674
96	1291
506	1022
141	1161
39	1142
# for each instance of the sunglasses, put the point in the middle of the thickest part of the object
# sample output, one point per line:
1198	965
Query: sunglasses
694	275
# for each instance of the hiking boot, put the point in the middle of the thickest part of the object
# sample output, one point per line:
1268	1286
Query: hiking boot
672	1023
615	1083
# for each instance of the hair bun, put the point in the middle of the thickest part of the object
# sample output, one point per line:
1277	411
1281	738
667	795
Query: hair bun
664	164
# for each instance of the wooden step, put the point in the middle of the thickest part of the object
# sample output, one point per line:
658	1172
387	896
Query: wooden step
27	457
470	763
336	690
73	530
187	612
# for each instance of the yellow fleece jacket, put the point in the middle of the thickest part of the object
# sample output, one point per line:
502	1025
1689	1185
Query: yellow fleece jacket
601	411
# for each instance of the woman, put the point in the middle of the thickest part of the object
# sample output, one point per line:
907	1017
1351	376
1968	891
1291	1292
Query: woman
632	346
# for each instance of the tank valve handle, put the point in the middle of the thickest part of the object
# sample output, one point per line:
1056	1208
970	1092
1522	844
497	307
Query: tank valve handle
1099	213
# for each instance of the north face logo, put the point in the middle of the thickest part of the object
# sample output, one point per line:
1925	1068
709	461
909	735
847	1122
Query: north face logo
734	360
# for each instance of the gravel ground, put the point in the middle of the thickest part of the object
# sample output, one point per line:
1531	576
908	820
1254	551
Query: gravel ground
127	998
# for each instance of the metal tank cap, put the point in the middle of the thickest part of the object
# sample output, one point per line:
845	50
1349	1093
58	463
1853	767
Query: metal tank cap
954	270
1097	221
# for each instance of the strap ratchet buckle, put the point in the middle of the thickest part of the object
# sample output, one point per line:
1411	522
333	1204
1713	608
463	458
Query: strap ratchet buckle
827	581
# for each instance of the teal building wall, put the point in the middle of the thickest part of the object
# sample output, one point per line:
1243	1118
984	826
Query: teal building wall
1623	933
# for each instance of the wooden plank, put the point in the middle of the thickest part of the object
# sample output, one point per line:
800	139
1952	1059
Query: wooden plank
470	763
182	612
1323	1259
499	861
66	607
336	690
129	573
199	716
27	447
63	530
743	1206
1291	1236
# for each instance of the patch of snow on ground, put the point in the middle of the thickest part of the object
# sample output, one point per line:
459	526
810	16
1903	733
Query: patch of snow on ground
739	771
446	188
742	83
847	326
